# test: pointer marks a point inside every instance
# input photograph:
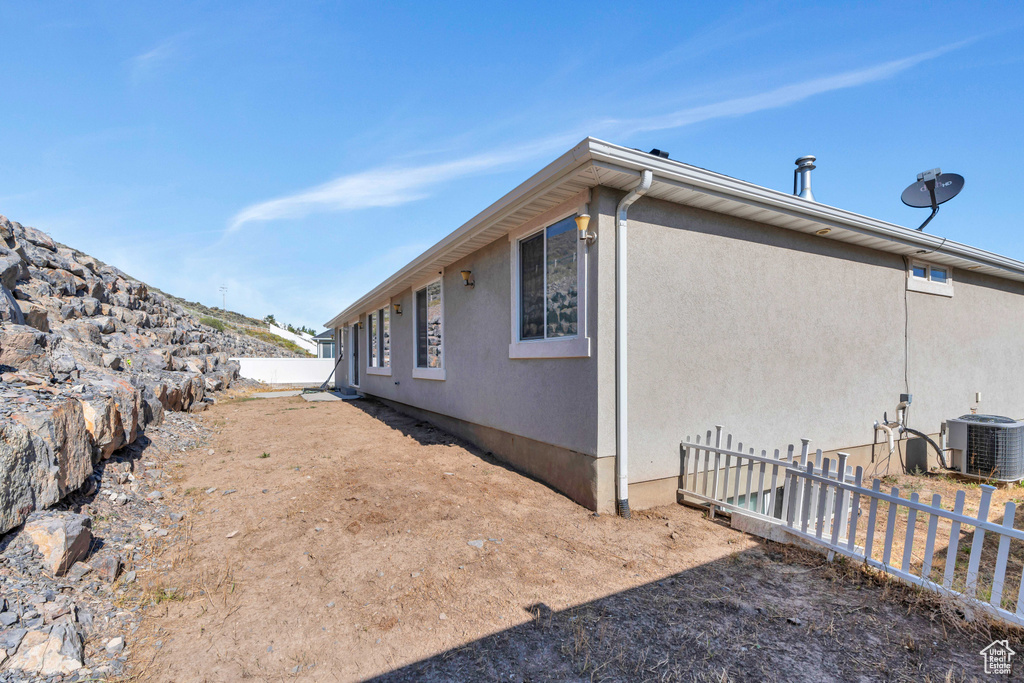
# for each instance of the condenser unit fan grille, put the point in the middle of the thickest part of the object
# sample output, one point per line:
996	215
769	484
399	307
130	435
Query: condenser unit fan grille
995	452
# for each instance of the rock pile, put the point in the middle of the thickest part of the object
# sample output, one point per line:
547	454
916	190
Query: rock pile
89	358
74	579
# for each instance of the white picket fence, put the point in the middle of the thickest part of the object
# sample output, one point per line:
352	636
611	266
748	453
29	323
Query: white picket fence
823	505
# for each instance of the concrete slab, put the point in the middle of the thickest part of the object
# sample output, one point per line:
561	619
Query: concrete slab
329	396
277	394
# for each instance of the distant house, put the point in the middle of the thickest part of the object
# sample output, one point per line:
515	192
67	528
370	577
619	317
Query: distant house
325	344
700	300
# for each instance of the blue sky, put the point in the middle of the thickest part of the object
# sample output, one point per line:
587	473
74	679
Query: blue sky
301	152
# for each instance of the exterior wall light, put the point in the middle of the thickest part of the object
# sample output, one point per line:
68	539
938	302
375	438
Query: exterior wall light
467	278
398	310
823	231
582	221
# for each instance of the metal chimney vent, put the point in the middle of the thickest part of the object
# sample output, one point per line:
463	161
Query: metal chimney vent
804	166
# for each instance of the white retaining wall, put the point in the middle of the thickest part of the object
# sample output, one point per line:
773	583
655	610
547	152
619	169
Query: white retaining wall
311	371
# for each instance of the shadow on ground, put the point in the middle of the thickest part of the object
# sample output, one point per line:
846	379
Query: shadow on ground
770	614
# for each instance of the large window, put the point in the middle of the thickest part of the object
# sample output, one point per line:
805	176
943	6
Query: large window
428	328
378	337
548	270
548	283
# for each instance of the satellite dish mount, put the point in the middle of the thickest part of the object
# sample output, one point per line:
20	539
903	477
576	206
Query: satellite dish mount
932	189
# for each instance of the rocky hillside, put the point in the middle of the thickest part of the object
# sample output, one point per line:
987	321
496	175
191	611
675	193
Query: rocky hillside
89	357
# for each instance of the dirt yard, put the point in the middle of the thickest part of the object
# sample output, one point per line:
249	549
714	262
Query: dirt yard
344	541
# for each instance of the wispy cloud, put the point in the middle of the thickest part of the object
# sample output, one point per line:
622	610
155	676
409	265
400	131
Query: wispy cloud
391	186
386	186
780	97
144	65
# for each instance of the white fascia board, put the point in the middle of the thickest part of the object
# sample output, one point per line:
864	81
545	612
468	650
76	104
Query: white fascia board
592	151
717	185
539	183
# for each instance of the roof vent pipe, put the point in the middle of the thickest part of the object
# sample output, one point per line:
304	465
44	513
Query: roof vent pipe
804	166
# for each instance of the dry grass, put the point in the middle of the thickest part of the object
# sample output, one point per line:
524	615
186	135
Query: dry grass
925	487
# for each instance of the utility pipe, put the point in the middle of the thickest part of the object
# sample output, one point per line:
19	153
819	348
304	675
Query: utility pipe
887	428
621	338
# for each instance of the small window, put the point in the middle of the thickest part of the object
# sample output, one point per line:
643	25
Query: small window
929	279
548	283
371	336
428	328
379	337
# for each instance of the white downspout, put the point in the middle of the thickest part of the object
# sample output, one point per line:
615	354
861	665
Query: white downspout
621	337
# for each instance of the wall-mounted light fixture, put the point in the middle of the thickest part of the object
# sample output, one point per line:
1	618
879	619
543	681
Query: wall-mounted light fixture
823	231
398	308
467	278
582	221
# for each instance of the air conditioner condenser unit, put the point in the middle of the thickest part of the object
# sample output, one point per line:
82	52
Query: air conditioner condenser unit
988	447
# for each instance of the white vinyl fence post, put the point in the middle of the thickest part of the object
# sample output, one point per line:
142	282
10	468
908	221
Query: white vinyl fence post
971	587
929	545
999	576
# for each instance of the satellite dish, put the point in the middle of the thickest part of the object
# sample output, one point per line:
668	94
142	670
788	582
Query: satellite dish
932	189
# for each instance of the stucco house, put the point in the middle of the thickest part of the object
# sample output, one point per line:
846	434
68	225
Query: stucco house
691	299
325	344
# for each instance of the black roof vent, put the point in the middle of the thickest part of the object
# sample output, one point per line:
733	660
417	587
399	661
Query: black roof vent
659	153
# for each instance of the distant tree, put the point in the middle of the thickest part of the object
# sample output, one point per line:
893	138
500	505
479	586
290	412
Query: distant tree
270	319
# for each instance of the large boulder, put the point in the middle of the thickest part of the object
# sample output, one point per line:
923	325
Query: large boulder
33	289
127	399
83	331
36	237
12	268
103	422
35	315
54	651
62	430
61	538
28	474
24	347
10	312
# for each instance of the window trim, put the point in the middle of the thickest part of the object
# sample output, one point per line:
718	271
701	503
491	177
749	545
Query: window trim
438	374
380	370
925	284
572	347
353	329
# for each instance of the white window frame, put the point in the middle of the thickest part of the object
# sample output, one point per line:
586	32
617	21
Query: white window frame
429	373
572	347
383	370
925	284
353	329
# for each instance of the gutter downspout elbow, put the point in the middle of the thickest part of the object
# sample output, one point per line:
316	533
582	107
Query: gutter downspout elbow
621	339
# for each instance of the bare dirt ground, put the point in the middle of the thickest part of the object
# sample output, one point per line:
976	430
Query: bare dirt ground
357	543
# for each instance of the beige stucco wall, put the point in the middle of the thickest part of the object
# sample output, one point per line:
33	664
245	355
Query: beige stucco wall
553	401
779	335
